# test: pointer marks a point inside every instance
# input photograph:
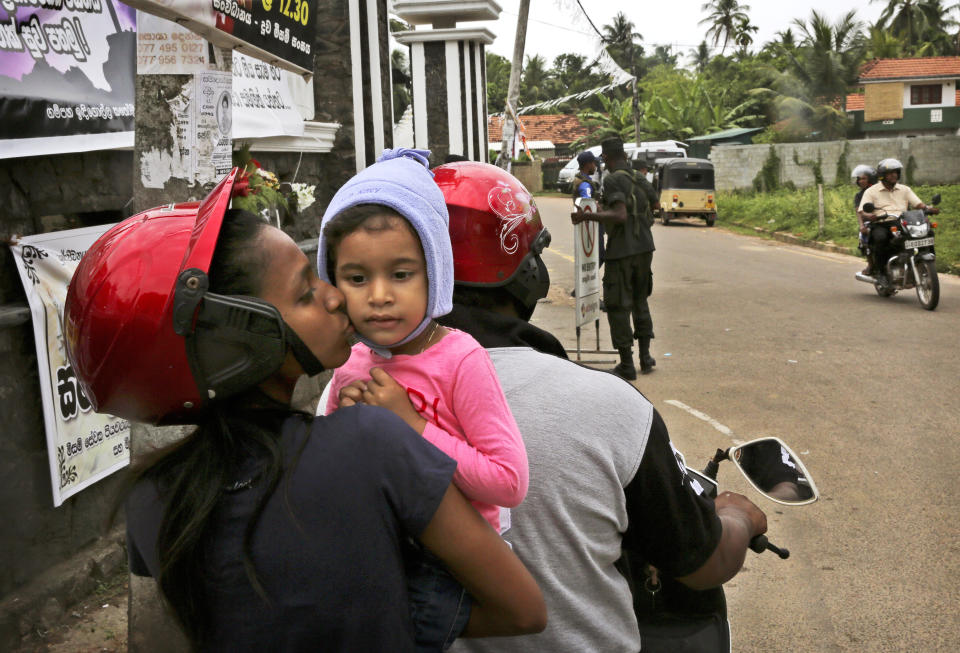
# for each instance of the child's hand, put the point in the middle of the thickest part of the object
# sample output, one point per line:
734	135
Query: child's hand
383	390
351	395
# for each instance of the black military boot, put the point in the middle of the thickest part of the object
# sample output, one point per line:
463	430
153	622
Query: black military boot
625	369
647	362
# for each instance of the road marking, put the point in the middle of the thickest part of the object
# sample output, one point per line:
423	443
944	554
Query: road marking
706	418
561	255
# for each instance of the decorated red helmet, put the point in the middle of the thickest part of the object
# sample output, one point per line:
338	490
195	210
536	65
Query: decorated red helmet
146	339
495	230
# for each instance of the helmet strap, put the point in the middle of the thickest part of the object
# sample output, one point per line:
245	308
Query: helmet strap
311	364
383	351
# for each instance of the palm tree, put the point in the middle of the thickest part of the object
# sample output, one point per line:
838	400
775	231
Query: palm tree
622	41
828	60
882	44
724	21
743	38
700	56
533	82
916	21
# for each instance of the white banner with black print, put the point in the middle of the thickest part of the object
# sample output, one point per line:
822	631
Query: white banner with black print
83	446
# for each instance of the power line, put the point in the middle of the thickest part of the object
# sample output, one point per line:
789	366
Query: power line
590	21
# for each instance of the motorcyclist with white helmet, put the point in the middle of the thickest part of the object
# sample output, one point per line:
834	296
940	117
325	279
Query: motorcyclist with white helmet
887	196
864	176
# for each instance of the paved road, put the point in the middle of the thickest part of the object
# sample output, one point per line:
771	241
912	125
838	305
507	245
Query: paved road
761	338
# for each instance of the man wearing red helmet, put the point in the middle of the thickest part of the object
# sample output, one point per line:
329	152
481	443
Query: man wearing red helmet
603	476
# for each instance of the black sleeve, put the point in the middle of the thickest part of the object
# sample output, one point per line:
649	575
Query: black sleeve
671	526
856	200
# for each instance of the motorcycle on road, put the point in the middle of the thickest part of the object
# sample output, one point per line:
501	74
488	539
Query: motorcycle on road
675	619
912	262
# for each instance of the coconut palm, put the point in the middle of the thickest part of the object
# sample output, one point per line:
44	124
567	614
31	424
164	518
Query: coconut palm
919	22
623	41
743	37
700	56
534	80
725	19
882	44
828	60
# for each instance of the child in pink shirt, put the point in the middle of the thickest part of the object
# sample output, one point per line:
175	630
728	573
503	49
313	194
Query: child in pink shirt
385	244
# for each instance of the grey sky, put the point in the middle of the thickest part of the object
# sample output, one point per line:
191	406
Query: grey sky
556	28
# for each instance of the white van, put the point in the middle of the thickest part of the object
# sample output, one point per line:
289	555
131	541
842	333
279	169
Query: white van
650	151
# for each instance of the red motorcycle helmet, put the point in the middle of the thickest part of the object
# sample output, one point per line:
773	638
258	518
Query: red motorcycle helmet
145	338
495	230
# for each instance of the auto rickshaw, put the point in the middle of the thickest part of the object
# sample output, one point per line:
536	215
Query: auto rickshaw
685	187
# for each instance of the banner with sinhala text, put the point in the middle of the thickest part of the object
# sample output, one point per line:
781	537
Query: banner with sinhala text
83	446
66	76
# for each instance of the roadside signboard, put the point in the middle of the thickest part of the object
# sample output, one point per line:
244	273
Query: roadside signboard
83	447
280	32
587	264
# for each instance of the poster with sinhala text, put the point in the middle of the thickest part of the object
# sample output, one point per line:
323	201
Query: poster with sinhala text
83	446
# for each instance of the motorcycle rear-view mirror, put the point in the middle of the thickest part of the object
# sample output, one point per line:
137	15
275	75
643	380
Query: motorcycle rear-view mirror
935	199
775	471
869	207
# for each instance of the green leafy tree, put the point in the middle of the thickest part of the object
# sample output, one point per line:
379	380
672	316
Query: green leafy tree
724	20
614	119
881	43
922	25
402	88
498	81
623	42
827	62
700	56
534	81
744	37
809	95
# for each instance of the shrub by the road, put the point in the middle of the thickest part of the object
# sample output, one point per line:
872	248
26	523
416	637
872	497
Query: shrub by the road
795	212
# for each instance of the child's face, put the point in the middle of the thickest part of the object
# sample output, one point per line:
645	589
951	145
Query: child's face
383	275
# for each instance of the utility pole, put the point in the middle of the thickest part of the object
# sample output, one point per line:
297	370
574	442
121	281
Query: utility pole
513	90
636	94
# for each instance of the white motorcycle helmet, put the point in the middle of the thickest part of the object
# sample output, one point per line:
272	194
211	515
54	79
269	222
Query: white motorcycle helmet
889	165
869	171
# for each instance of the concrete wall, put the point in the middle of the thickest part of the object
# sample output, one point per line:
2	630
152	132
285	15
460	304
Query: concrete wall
936	157
529	174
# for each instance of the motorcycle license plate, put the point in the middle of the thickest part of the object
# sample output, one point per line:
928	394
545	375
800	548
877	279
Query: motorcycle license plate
923	242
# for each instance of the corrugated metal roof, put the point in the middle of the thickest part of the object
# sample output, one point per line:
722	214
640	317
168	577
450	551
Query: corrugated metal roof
727	133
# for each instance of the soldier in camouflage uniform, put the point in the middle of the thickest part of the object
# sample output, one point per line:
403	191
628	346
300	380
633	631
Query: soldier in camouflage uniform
628	199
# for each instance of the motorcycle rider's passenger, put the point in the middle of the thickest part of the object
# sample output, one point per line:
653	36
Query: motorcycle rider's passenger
887	196
864	176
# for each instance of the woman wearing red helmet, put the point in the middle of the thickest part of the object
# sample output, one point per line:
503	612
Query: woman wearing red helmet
267	529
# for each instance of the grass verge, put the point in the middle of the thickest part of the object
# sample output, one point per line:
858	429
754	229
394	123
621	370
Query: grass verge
795	212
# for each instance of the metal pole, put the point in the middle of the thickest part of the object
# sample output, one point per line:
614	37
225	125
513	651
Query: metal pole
513	90
820	209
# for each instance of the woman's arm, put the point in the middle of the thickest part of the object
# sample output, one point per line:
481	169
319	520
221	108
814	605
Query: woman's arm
507	599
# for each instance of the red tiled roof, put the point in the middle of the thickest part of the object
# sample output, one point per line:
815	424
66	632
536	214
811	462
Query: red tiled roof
925	67
956	102
855	102
558	128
